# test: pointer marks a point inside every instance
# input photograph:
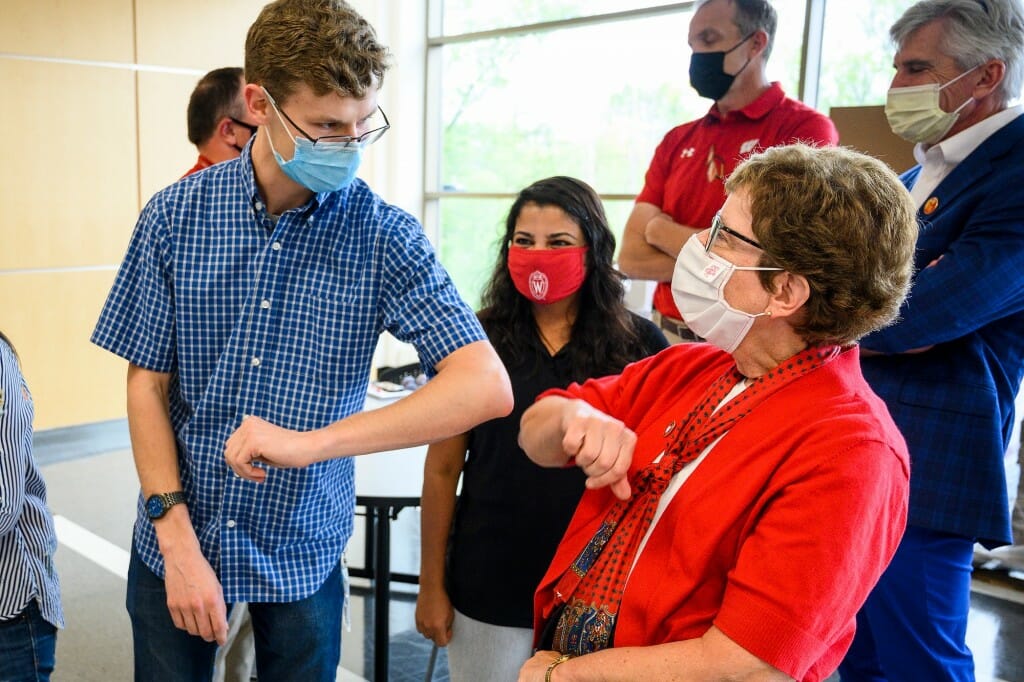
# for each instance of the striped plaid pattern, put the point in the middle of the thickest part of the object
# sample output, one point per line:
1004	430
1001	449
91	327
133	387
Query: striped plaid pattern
954	402
275	318
27	539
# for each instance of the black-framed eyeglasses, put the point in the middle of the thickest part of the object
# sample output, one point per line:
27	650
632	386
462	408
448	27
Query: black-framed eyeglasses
718	226
366	138
248	126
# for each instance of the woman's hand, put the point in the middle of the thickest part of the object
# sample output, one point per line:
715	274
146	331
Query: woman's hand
601	445
257	440
434	615
535	669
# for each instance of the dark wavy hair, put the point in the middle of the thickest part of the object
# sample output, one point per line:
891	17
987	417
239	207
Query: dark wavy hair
604	332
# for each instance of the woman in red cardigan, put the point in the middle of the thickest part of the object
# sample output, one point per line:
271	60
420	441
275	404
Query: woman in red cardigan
745	494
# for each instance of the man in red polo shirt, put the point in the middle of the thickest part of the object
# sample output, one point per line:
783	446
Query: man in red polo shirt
218	122
684	187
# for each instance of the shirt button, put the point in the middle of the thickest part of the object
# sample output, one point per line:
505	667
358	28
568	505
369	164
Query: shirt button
231	523
259	205
255	362
264	304
276	246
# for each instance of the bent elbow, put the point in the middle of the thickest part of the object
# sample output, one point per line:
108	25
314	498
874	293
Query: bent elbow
628	267
502	400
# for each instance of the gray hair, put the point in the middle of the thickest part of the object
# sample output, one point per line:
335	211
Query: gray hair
975	31
750	16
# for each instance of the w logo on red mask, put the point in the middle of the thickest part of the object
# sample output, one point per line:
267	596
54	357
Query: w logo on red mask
539	285
547	275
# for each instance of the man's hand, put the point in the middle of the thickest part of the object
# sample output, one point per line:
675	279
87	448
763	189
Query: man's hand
601	445
194	596
257	440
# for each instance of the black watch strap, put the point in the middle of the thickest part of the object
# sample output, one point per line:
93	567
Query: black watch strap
158	504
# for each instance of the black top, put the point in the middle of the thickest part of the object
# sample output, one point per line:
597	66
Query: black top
512	513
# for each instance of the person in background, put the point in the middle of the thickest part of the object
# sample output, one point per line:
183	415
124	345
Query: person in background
219	124
744	494
951	365
684	186
30	608
248	307
553	310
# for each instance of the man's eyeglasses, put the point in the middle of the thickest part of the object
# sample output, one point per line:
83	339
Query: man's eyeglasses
718	226
366	138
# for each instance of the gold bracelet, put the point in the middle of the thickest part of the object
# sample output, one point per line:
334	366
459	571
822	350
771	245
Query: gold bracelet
554	664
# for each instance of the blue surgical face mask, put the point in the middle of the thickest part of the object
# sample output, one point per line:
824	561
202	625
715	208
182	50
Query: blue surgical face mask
320	167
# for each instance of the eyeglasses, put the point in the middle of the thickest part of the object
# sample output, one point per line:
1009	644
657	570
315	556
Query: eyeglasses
248	126
718	226
348	140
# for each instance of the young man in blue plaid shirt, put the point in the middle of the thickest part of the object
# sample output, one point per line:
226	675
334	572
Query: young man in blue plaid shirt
248	306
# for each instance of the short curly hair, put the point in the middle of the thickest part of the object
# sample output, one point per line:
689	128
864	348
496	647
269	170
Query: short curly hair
323	43
845	222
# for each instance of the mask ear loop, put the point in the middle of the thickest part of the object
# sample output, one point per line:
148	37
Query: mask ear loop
277	112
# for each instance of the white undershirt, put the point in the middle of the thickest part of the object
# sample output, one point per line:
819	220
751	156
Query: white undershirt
680	477
938	160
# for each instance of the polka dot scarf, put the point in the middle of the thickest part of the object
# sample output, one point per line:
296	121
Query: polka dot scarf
591	589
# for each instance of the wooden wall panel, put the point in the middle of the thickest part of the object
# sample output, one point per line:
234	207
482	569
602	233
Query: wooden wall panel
69	185
72	381
98	30
194	34
164	150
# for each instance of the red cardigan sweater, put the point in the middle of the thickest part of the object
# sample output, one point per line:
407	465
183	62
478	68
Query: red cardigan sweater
780	533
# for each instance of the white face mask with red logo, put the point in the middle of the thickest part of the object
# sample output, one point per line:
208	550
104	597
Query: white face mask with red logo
547	275
698	289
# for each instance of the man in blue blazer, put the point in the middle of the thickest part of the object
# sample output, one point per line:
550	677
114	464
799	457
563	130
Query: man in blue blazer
950	367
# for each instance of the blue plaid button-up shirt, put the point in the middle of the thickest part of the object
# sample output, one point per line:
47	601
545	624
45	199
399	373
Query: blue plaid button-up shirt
280	321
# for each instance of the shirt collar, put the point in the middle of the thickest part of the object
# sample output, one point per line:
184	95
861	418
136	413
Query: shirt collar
759	108
955	149
253	192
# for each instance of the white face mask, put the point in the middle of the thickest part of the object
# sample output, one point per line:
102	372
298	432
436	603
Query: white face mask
915	115
698	289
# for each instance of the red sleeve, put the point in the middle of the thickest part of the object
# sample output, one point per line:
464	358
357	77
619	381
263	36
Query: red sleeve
810	560
815	129
636	396
657	173
610	394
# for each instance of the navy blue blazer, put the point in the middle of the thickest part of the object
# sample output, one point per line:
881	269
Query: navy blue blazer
954	402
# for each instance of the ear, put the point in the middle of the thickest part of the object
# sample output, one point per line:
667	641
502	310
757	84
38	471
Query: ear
226	131
759	42
991	76
791	293
257	104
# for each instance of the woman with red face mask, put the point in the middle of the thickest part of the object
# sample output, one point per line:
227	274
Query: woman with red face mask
553	310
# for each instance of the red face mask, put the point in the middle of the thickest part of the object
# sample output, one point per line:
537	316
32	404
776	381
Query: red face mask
547	275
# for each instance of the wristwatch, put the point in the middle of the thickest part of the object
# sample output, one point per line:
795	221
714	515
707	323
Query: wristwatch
157	505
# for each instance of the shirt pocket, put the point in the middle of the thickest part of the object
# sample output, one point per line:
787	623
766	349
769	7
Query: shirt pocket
340	336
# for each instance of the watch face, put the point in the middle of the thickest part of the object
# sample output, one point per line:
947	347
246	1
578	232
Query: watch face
155	507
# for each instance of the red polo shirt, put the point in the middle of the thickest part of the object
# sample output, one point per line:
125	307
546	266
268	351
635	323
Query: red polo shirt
686	178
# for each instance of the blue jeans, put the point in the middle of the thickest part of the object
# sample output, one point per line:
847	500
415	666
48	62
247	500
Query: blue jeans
298	640
914	623
27	646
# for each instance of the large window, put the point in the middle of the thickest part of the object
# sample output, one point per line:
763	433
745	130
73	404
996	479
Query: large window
856	70
522	91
